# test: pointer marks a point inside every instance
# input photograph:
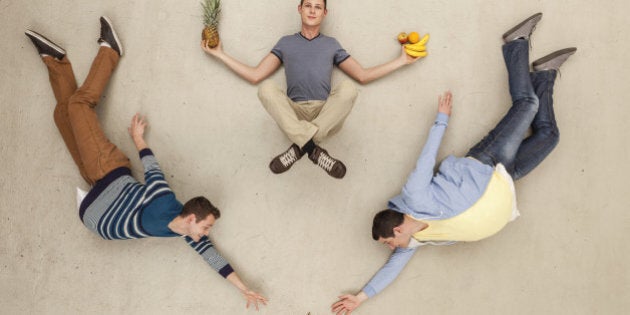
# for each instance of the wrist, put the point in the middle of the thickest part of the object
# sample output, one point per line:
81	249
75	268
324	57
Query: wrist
362	296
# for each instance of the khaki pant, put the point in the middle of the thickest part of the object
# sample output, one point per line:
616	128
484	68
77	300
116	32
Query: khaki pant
76	119
303	121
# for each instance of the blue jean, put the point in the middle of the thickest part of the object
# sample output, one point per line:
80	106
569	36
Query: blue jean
532	106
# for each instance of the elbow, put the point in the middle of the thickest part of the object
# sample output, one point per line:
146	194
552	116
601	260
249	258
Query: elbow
255	80
365	78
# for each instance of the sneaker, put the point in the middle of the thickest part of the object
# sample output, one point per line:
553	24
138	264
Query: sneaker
554	60
45	46
285	160
331	165
523	29
108	35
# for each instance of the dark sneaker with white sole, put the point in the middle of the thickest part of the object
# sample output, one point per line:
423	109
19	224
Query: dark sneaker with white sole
332	166
45	46
554	60
285	160
522	30
108	35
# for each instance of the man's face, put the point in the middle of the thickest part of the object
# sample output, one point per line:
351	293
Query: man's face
197	230
312	12
398	240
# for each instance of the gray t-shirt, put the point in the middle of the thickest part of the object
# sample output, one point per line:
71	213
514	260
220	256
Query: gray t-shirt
308	65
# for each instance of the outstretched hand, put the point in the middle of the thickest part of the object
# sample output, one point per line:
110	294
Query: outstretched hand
444	103
136	131
253	298
347	303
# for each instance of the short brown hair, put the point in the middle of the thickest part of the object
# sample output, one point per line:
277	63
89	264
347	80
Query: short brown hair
201	208
385	222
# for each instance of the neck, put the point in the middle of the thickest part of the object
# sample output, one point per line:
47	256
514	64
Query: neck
414	226
177	225
309	32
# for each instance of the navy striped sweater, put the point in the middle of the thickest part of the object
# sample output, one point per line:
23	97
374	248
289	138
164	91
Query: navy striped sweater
119	207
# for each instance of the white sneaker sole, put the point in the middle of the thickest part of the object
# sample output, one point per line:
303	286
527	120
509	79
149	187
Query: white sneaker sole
46	41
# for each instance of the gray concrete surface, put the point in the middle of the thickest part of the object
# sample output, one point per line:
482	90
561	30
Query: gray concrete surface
303	238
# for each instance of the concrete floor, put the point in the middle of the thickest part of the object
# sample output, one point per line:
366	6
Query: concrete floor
302	238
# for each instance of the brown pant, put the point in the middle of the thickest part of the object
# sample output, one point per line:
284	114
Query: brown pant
76	119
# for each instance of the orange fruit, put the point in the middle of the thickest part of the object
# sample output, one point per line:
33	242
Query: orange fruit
413	37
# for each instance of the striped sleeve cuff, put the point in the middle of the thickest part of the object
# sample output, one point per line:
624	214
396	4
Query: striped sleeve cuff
226	271
145	152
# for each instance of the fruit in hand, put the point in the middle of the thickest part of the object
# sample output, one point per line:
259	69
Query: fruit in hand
414	37
403	38
211	12
417	49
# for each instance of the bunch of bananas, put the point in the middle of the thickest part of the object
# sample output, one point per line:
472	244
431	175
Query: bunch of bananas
417	49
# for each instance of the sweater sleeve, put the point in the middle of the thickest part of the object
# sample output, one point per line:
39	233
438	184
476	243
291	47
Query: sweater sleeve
384	276
154	178
207	251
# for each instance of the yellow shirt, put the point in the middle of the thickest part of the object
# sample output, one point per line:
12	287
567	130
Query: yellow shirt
483	219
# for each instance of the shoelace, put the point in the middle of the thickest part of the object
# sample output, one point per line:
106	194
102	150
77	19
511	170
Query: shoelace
325	161
288	158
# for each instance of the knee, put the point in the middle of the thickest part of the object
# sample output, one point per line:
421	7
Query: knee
349	89
551	134
533	102
267	88
527	103
79	99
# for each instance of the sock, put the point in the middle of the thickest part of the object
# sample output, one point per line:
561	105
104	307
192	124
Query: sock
309	147
106	44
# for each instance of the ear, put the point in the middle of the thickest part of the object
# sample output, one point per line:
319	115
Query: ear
190	218
397	230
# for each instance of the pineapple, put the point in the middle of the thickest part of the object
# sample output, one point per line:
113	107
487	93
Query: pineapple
211	12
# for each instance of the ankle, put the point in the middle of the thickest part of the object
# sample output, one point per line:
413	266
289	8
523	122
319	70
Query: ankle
309	147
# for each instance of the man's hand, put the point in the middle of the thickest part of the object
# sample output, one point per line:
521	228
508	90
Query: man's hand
405	58
253	298
136	131
348	303
444	103
212	51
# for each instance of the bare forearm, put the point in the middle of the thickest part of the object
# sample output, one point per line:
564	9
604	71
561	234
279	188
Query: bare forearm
253	75
140	143
244	71
236	281
380	71
352	67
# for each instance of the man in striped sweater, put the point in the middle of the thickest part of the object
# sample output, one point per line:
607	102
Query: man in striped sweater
118	206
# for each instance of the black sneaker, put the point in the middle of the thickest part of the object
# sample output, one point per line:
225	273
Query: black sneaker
554	60
523	29
45	46
332	166
108	35
286	159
